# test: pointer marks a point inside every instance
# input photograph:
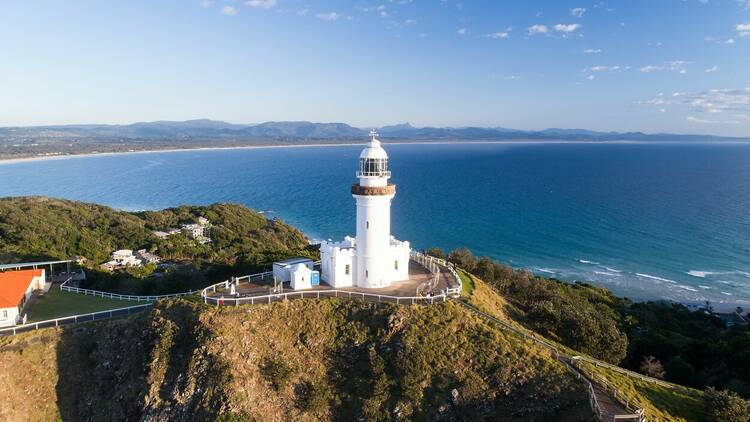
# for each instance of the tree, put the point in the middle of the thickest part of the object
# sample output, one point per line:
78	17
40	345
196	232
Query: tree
436	252
726	406
463	258
652	367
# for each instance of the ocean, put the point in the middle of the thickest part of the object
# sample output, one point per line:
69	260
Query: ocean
648	221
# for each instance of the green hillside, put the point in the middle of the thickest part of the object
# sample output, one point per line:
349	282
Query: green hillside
300	360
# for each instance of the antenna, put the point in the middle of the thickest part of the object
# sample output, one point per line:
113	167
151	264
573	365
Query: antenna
373	134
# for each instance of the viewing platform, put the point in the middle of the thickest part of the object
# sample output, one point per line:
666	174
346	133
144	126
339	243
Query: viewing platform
427	280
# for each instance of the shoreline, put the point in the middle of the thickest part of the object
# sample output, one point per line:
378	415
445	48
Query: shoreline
53	157
719	307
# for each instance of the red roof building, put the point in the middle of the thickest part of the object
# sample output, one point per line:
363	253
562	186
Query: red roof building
16	288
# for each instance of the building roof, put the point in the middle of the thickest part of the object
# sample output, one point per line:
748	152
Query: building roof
292	261
13	286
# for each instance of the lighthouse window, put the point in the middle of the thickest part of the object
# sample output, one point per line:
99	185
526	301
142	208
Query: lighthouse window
373	166
367	273
395	265
367	224
346	269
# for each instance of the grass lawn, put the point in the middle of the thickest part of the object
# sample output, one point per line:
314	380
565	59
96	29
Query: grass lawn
56	304
467	283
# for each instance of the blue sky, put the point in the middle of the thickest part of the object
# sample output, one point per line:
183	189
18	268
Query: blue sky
657	66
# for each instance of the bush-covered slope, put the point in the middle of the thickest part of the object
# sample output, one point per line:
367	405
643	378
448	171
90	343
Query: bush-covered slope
300	360
40	227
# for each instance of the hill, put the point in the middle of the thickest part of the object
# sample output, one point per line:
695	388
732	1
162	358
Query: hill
243	241
300	360
203	133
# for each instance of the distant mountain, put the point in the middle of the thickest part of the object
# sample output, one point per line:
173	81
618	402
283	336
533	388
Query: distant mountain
301	130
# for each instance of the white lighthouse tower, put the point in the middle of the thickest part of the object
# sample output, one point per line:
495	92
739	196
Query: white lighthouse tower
373	259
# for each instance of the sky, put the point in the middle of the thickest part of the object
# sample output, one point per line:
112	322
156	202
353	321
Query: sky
680	66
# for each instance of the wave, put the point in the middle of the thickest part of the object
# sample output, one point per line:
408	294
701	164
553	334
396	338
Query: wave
653	277
682	286
584	261
725	293
700	274
704	287
606	273
612	270
545	270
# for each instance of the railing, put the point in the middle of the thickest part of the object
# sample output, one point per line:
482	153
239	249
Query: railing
637	413
631	405
318	294
433	264
93	316
98	293
633	374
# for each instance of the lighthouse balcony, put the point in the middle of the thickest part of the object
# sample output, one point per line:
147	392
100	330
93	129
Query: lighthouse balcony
382	173
358	189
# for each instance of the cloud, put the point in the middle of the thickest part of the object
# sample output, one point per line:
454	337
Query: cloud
712	69
745	4
719	41
537	29
330	16
592	50
228	10
678	66
261	4
734	103
500	34
591	77
207	3
579	11
567	28
603	69
743	29
719	100
462	31
694	119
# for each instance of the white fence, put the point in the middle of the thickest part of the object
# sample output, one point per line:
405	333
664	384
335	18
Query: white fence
93	316
98	293
433	264
318	294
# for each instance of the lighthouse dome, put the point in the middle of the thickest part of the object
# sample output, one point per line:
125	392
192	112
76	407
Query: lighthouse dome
373	150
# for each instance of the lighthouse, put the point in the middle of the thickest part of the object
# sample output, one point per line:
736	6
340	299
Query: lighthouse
373	258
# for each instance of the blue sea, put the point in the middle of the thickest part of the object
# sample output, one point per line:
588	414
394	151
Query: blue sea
648	221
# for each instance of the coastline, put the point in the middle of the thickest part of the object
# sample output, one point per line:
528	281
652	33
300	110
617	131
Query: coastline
721	307
13	160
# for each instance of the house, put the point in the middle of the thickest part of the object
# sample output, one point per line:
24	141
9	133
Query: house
200	231
298	272
16	288
147	257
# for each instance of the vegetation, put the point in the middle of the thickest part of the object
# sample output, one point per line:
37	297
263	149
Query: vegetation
243	241
725	406
342	360
665	340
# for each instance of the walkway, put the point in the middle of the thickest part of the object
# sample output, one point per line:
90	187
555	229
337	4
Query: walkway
602	396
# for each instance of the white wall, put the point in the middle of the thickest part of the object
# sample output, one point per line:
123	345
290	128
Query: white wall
373	240
11	319
333	262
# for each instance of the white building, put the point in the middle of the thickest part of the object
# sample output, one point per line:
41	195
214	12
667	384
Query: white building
16	287
200	231
299	272
374	258
126	258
